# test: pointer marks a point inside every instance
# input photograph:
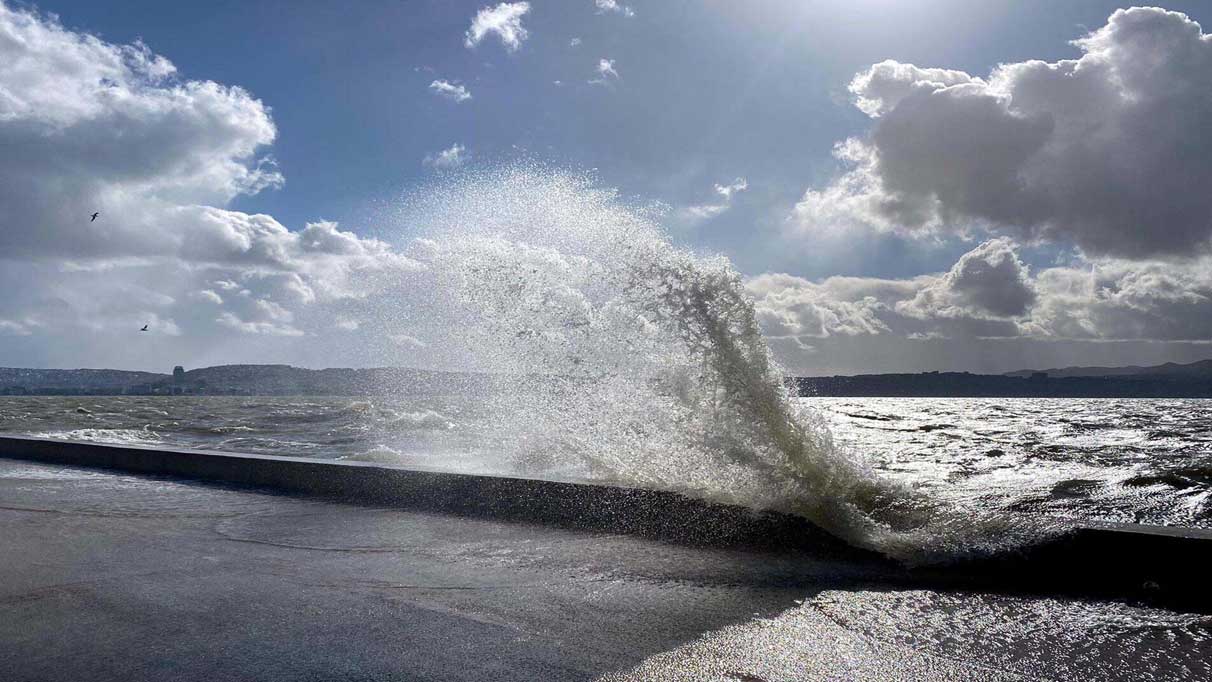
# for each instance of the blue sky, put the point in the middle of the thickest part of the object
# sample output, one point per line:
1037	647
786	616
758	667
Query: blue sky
708	91
971	255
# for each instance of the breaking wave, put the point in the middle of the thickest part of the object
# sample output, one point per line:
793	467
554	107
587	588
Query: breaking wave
639	363
113	436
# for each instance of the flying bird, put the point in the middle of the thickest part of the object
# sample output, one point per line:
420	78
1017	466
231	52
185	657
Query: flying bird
95	216
144	328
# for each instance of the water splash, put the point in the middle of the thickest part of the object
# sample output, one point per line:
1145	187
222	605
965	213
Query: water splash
635	362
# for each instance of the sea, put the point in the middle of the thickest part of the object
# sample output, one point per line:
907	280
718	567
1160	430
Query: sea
1106	460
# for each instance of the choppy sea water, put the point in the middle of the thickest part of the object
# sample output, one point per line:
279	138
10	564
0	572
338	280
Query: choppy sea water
1140	461
1127	461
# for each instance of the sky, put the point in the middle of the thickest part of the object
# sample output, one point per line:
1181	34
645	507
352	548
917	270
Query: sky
904	186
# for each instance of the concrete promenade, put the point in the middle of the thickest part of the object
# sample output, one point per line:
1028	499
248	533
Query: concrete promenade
109	575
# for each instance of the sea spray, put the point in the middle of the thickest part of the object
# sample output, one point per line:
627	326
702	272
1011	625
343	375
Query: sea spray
628	360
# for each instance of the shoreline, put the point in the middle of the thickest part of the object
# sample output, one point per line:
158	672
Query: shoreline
1150	564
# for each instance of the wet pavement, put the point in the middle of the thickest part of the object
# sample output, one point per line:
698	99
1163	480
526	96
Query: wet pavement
110	576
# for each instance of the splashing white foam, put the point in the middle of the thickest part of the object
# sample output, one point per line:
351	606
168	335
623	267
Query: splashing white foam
642	364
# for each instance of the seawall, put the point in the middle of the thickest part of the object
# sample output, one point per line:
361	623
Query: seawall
1147	563
656	514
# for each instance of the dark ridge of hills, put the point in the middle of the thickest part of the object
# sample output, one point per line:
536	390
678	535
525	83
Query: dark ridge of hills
1036	385
1202	368
287	380
239	380
69	380
1170	380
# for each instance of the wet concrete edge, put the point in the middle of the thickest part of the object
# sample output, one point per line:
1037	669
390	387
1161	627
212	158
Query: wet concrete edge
1165	566
650	513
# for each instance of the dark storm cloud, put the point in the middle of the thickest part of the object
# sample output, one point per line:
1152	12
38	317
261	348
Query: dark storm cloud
988	280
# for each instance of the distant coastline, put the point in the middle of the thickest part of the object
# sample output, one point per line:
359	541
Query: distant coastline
961	385
237	380
1171	380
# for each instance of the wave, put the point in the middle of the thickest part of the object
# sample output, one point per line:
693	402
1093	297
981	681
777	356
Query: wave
640	363
378	455
115	436
420	420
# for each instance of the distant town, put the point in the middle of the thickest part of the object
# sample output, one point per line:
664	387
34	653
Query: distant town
1170	380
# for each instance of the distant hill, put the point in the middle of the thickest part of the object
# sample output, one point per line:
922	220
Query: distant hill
19	380
287	380
1200	369
238	380
1170	380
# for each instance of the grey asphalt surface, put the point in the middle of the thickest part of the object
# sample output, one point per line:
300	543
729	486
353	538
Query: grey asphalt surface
109	576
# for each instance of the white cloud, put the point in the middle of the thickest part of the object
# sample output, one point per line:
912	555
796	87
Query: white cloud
408	341
737	186
1123	300
210	296
89	126
13	328
451	157
504	20
575	42
606	73
701	212
793	307
451	91
986	294
692	215
605	6
231	321
879	89
990	293
606	68
1108	152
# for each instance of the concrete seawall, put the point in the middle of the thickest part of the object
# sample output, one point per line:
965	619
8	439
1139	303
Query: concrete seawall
1150	564
650	513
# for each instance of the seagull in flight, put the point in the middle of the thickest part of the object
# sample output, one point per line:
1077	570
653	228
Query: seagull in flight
144	328
95	216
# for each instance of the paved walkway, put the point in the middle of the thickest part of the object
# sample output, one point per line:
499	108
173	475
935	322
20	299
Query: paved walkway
105	576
